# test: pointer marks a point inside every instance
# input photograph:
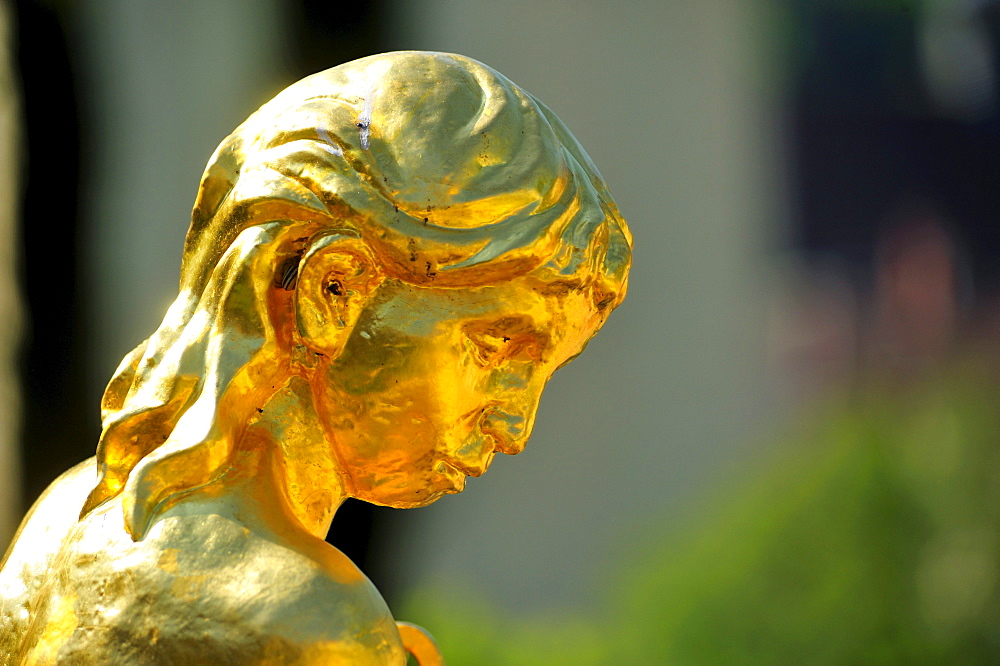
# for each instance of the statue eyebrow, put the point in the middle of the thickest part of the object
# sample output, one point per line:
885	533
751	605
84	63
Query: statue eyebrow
507	328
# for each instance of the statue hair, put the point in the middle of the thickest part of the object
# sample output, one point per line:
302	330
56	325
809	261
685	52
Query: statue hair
452	175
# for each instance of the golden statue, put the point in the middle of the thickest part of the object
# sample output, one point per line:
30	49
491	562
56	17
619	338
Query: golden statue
385	265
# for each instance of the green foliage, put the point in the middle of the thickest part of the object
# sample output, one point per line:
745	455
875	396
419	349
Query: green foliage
872	537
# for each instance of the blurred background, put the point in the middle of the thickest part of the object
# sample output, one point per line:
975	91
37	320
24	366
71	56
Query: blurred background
783	448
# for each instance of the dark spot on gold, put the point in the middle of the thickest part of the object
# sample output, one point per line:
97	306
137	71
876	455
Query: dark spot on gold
288	272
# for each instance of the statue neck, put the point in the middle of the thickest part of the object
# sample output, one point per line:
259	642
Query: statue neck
287	438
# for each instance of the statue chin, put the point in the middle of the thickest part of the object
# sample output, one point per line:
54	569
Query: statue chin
385	265
442	480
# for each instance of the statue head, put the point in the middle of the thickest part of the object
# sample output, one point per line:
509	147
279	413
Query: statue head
408	245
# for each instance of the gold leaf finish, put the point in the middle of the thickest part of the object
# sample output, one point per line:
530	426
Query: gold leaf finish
385	265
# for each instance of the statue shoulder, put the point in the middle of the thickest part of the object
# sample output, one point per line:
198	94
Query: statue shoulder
34	549
200	585
52	515
36	544
202	588
297	591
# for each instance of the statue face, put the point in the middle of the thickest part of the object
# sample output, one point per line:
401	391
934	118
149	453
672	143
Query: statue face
433	382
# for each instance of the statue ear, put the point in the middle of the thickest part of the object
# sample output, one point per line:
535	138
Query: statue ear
335	279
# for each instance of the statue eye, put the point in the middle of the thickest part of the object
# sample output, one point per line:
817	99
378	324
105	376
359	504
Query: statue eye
488	349
503	341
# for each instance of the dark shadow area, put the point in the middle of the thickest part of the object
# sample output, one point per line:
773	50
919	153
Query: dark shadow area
58	429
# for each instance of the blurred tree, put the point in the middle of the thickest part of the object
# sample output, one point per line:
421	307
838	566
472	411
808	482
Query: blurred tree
872	537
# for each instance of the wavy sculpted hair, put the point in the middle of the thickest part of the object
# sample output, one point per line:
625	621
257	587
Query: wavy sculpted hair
452	175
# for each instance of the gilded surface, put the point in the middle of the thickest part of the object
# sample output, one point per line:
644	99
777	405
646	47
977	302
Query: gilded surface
385	265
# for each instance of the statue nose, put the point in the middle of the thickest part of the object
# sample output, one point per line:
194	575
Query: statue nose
508	430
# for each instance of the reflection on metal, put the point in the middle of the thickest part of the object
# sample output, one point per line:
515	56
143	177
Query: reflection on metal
385	265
